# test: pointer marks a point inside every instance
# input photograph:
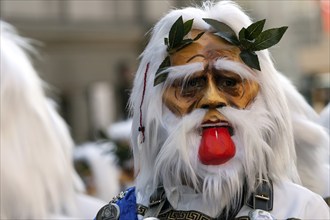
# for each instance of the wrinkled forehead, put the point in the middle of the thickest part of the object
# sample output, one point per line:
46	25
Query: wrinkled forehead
206	49
208	52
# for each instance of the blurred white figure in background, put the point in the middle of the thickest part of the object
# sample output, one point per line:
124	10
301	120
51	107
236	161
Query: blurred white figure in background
97	165
120	130
325	117
120	133
38	180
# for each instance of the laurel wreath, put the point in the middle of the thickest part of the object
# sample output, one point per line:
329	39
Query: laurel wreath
249	40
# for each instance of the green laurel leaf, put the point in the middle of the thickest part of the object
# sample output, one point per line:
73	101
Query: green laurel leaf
250	58
255	29
176	33
187	26
245	43
160	78
166	63
166	41
269	38
223	31
174	43
198	36
241	34
183	44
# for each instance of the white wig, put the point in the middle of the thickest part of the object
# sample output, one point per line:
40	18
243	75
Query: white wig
324	119
36	164
148	109
311	142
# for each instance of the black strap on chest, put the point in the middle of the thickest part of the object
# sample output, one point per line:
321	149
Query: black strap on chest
263	196
156	203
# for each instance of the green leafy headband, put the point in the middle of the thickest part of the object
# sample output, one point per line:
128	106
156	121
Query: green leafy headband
250	40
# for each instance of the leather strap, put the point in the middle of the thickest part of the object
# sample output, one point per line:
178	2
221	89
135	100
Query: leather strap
156	203
263	196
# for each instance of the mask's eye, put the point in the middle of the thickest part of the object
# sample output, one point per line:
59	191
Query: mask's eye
228	82
193	85
226	79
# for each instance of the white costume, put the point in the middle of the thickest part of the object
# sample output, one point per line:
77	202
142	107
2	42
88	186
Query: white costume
211	118
325	117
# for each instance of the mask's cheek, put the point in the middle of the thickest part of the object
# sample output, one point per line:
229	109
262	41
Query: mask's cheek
177	103
242	95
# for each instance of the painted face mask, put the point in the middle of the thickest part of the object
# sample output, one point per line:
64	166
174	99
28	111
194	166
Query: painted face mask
213	86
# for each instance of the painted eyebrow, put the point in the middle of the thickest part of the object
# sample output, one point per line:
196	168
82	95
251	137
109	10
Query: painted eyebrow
193	57
240	69
182	72
175	72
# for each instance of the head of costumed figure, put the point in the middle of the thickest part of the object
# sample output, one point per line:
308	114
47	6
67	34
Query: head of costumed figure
209	117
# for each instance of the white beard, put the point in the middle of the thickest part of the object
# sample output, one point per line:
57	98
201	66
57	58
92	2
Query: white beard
211	189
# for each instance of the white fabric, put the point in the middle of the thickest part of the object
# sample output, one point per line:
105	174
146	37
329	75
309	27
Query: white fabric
324	119
88	206
120	131
294	201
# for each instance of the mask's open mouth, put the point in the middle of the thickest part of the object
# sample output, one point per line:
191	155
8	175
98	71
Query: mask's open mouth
220	123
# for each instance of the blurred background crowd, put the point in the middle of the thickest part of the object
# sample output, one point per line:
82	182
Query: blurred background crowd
88	51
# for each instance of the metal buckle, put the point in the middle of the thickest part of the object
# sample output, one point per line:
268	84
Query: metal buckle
156	202
262	198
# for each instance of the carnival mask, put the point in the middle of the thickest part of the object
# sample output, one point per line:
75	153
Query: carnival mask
213	86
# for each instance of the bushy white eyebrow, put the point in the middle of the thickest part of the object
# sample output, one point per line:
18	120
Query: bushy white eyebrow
240	69
182	71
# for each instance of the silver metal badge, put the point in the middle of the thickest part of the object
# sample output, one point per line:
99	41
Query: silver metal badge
259	214
111	212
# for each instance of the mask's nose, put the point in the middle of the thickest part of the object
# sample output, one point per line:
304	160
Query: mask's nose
213	98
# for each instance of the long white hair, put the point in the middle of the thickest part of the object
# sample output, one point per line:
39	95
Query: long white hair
311	142
36	164
264	130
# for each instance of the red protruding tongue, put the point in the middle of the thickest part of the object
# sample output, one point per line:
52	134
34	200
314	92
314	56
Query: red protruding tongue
216	146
